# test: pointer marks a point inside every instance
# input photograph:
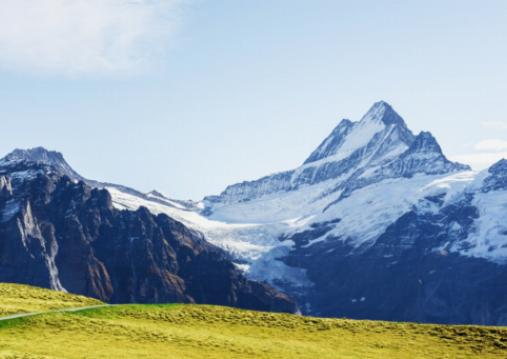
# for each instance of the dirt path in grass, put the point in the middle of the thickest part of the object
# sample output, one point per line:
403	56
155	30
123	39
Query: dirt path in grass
65	310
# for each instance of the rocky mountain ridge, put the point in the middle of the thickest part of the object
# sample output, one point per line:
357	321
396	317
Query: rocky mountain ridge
376	223
63	234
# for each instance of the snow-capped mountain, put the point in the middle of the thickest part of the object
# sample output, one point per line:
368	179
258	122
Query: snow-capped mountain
369	211
355	154
376	223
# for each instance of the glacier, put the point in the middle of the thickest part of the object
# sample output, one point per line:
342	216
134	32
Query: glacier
372	197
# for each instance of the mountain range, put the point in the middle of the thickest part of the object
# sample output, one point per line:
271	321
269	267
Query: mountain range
376	223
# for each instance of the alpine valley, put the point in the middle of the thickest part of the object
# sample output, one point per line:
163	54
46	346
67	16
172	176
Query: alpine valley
375	224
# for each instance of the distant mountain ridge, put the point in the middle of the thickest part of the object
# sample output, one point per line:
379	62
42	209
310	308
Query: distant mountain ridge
376	223
377	147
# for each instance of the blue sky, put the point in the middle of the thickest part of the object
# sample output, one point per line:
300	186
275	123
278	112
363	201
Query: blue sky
190	96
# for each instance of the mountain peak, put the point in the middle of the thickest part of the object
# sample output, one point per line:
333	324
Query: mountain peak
41	155
426	142
383	112
36	154
423	156
350	136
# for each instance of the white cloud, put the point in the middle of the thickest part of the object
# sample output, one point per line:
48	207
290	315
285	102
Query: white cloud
487	152
491	145
84	36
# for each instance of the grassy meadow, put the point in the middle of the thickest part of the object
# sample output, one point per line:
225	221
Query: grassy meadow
17	298
194	331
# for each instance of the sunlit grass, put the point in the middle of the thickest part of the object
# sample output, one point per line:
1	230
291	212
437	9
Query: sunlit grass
191	331
16	298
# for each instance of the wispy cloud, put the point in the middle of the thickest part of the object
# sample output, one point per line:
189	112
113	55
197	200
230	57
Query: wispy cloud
479	161
491	145
85	36
495	125
486	153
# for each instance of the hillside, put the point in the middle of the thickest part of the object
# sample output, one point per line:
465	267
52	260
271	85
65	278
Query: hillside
191	331
16	298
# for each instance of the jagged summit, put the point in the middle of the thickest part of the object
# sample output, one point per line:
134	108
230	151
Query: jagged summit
40	155
381	119
383	112
423	156
36	154
426	152
425	142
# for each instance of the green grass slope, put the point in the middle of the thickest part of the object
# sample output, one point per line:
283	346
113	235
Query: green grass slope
193	331
17	298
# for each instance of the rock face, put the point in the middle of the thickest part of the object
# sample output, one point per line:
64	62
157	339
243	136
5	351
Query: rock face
409	273
63	234
497	177
375	224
